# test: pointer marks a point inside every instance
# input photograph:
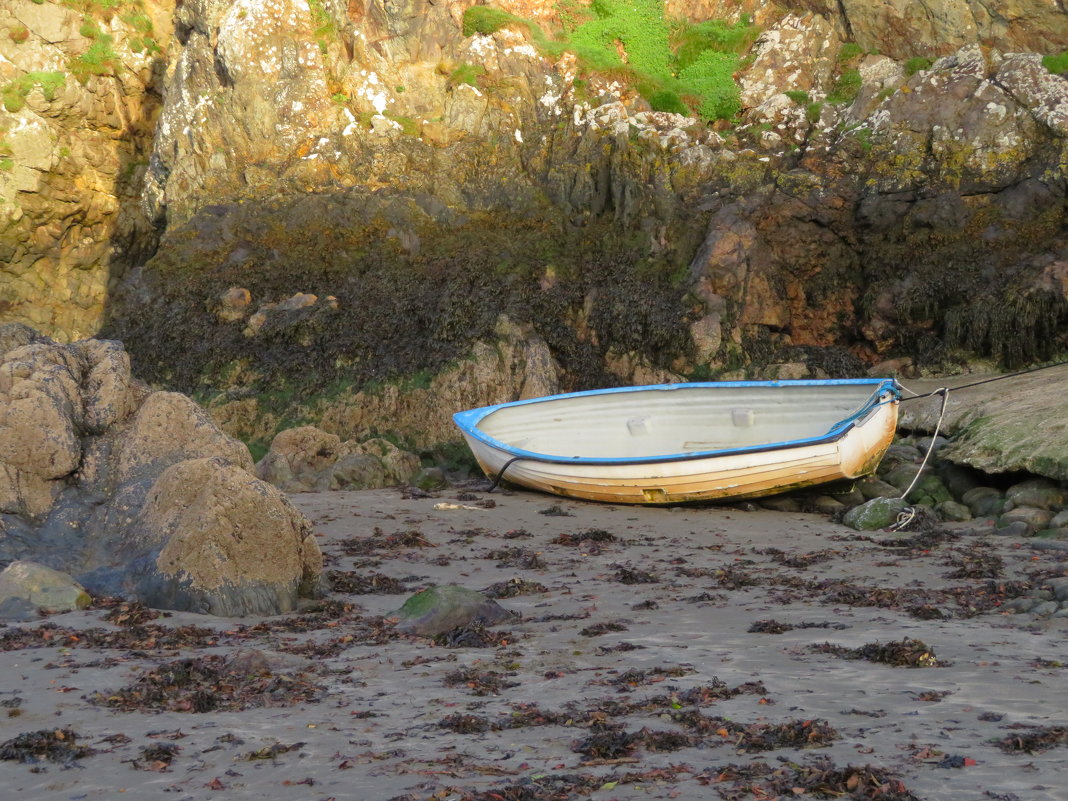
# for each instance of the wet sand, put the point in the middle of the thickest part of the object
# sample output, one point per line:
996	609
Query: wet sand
646	665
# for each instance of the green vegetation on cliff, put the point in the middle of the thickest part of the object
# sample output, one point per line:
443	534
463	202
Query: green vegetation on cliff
677	66
1057	63
914	65
14	93
101	58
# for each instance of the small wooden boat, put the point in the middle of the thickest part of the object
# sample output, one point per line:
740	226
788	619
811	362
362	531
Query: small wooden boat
672	443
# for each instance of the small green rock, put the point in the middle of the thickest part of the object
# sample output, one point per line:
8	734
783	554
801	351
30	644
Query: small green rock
1037	519
430	478
876	514
929	490
43	587
953	511
439	609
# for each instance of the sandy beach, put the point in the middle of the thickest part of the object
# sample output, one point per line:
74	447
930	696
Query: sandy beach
689	652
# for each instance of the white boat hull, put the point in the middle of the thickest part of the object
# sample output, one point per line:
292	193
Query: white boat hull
643	479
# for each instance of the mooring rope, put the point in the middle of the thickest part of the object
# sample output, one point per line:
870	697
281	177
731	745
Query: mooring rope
908	514
978	383
500	473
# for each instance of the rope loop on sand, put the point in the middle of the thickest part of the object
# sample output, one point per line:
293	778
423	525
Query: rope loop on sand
907	515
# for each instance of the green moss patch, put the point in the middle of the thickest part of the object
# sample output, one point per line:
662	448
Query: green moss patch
677	66
917	64
845	88
1057	63
14	93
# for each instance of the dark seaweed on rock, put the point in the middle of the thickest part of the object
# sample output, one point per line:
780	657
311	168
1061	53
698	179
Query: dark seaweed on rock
479	681
355	583
473	636
52	745
629	575
204	684
904	653
1033	740
513	587
597	629
380	541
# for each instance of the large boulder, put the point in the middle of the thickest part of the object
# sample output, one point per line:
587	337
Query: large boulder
137	492
52	398
878	513
223	542
1016	425
168	428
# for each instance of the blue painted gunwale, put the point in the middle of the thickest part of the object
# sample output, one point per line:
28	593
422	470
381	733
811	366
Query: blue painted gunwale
468	420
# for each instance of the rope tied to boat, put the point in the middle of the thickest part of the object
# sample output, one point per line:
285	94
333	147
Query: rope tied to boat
979	383
500	473
908	514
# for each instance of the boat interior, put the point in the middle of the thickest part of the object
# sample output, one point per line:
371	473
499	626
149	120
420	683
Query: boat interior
662	421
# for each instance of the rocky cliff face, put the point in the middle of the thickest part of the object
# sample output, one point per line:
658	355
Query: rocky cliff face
79	86
908	28
351	195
